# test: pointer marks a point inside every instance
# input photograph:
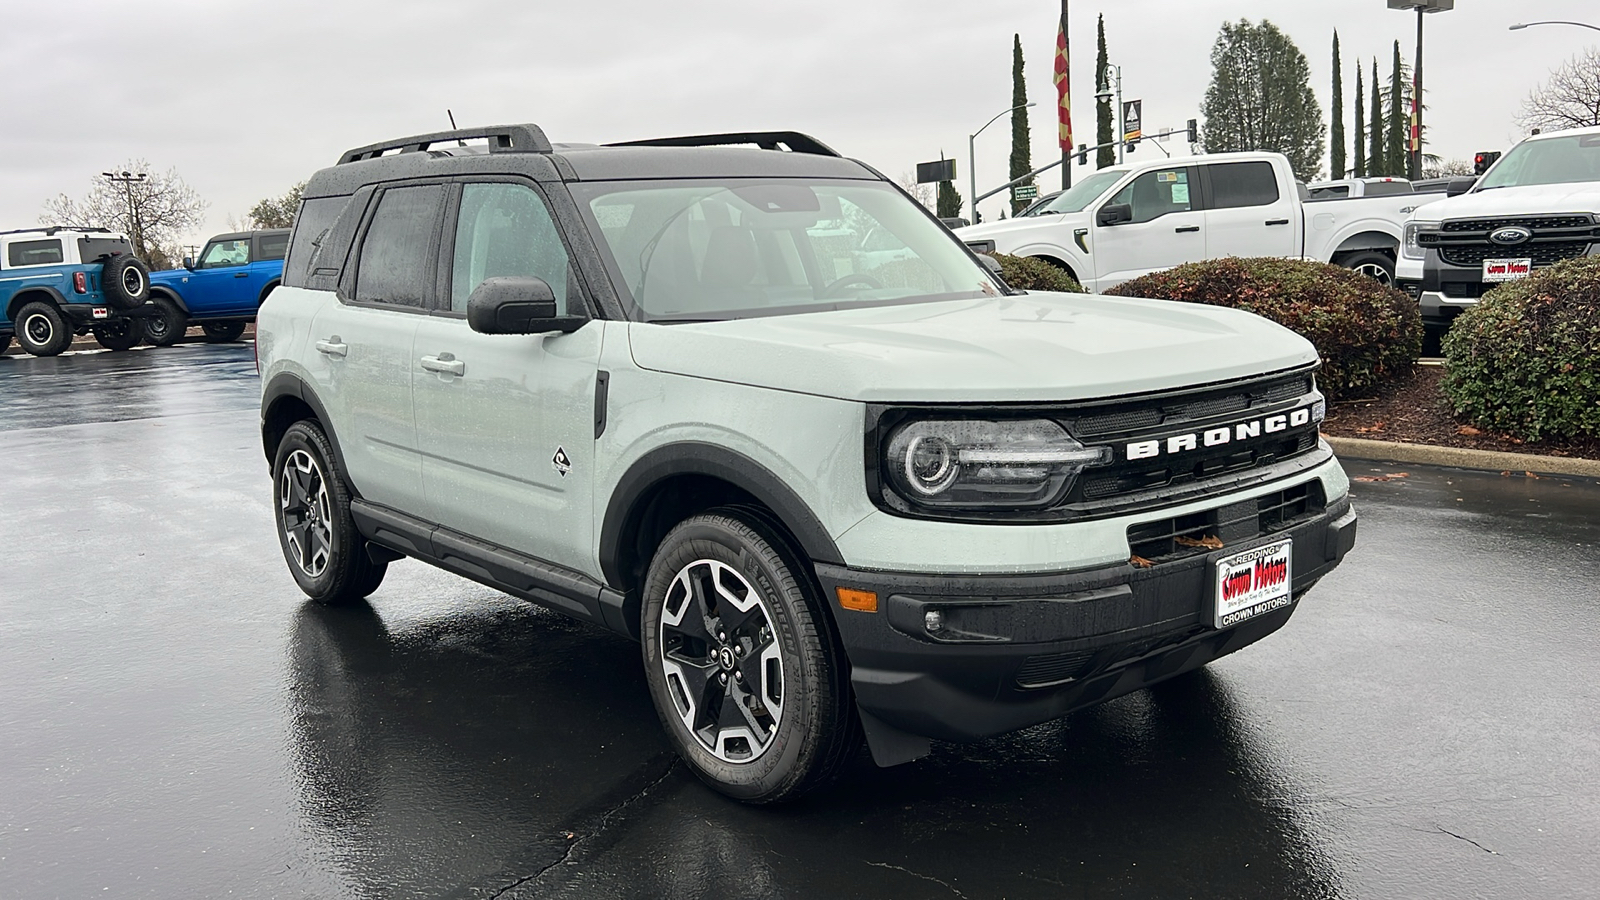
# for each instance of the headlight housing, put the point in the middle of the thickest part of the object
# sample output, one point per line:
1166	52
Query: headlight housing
1410	246
985	464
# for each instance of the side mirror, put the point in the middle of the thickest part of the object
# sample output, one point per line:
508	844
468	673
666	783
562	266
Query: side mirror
993	265
1115	214
1459	186
517	305
188	263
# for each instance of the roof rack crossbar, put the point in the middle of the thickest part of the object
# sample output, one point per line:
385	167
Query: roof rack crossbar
52	230
766	140
502	139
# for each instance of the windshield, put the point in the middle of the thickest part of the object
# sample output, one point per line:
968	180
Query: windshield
1079	196
736	248
1552	160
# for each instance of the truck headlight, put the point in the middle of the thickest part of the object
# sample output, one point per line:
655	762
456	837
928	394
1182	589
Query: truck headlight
986	464
1410	245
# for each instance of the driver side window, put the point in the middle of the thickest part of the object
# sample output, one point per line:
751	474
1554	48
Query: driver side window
226	253
1157	193
505	230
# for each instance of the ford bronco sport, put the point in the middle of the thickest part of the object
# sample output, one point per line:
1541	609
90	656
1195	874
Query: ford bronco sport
56	282
664	388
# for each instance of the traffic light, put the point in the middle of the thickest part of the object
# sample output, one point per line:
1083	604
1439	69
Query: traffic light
1194	131
1483	160
1083	154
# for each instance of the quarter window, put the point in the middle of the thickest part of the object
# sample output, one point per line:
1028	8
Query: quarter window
1238	184
1155	194
226	253
393	266
506	230
310	229
34	253
272	246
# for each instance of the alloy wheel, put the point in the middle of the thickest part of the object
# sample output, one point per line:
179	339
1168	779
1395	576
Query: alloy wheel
1376	273
305	512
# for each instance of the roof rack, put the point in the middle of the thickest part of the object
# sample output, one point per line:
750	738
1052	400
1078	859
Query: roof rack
51	230
502	139
795	141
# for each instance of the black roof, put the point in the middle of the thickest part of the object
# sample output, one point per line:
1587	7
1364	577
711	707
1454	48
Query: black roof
246	235
524	149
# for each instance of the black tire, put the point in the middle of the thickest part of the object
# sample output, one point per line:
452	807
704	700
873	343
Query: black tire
1377	266
777	658
168	326
119	334
125	279
42	330
326	555
223	332
5	343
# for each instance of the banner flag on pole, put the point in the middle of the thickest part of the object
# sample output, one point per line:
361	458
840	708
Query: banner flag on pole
1063	84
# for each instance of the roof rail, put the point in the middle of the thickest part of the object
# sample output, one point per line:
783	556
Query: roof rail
502	139
50	230
766	140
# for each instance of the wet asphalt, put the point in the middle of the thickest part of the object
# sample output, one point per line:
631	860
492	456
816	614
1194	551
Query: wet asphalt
176	721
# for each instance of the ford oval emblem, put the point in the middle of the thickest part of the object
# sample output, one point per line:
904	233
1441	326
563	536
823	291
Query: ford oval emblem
1510	236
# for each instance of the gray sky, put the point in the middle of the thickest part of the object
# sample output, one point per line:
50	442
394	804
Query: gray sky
247	98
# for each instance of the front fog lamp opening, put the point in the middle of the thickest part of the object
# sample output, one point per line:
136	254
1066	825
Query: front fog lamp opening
977	463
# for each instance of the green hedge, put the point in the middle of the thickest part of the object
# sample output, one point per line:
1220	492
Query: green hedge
1027	273
1367	334
1525	360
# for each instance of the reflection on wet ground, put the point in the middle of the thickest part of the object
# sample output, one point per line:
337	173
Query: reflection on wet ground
178	722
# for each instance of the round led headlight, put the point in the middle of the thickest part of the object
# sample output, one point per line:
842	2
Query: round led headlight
931	464
1017	464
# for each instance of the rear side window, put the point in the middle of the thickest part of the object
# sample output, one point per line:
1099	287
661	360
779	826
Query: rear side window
311	228
1234	185
393	266
271	246
35	253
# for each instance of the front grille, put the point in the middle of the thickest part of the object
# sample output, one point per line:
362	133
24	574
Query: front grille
1465	242
1535	223
1178	410
1164	540
1542	254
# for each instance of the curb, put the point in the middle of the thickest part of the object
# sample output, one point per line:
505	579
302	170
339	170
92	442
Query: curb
1462	458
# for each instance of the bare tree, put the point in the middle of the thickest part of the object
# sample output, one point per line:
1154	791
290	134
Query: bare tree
153	211
1438	167
922	193
1570	99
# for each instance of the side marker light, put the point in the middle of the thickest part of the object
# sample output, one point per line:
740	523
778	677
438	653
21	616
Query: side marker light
861	601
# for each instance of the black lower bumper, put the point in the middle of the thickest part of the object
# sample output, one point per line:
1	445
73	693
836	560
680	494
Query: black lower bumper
1010	651
82	314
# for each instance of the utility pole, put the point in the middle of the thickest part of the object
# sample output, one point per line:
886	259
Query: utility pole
128	180
1414	163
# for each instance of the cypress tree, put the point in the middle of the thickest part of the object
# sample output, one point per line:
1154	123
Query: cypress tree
1021	156
1377	160
1107	154
1361	126
949	201
1396	144
1336	135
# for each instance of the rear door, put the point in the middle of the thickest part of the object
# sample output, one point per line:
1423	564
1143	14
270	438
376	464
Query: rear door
1167	228
1246	212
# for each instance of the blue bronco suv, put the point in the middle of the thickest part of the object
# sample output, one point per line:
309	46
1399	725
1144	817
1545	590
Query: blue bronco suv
221	291
58	281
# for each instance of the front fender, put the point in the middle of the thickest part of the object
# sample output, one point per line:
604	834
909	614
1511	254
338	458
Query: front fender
171	293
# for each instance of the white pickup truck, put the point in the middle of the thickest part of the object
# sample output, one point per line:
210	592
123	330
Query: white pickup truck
1533	208
1132	219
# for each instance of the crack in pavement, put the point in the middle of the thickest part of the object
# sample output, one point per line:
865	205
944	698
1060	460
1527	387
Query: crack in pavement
1443	830
947	885
574	840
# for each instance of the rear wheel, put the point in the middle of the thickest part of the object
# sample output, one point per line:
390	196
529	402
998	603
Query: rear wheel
1377	266
222	332
326	554
42	330
119	334
165	328
742	664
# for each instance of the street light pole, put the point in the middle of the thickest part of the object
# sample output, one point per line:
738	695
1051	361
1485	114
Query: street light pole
1414	161
972	155
128	180
1521	25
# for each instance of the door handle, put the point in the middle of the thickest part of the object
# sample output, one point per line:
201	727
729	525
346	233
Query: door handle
333	347
444	364
1277	221
1186	229
241	274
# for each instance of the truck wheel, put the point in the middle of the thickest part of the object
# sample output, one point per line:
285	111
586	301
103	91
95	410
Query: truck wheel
1377	266
164	329
42	330
222	332
326	554
125	279
119	334
744	669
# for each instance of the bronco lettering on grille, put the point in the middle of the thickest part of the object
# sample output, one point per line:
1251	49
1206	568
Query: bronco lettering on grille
1216	437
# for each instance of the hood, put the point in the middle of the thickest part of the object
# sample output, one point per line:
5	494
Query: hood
1036	347
1537	199
1006	227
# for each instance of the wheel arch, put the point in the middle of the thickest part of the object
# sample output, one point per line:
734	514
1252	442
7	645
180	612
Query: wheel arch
287	400
1059	263
262	297
32	294
1367	239
161	290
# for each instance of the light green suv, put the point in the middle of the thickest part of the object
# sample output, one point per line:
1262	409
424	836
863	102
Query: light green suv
742	400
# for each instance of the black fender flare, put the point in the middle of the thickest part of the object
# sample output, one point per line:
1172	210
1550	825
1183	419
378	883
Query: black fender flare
696	458
262	297
170	294
23	297
288	385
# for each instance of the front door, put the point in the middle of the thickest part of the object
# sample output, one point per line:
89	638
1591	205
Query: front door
220	282
505	423
1167	227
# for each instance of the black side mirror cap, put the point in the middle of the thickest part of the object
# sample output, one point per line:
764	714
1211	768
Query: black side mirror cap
188	263
1458	186
1115	214
517	305
992	264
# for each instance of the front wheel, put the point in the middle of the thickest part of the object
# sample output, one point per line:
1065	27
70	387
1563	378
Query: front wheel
1377	266
119	334
42	330
222	332
168	325
326	554
744	669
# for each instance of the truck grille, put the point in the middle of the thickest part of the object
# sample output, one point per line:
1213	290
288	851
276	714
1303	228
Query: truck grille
1473	255
1465	242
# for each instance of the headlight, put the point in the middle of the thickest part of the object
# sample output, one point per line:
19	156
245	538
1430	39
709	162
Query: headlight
965	464
1409	245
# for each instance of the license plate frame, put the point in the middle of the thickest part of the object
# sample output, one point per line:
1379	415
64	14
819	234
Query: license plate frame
1511	268
1249	583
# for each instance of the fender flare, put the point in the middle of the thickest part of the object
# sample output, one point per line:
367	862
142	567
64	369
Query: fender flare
1356	229
288	385
170	294
22	298
696	458
262	297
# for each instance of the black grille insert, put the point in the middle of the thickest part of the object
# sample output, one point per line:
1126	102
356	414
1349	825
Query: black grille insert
1164	540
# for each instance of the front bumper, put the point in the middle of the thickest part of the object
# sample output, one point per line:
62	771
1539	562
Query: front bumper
1017	650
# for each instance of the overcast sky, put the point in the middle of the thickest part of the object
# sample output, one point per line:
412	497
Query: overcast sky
246	98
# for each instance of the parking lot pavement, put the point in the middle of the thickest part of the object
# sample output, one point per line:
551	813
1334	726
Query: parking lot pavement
175	721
